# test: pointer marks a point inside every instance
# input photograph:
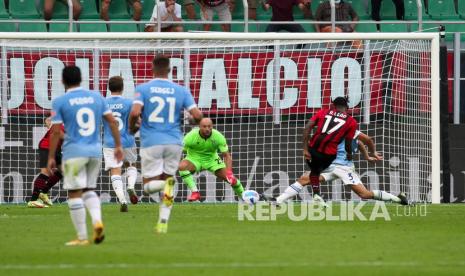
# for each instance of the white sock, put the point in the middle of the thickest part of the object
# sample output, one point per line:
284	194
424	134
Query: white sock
132	177
92	202
290	191
165	212
78	217
385	196
117	184
154	186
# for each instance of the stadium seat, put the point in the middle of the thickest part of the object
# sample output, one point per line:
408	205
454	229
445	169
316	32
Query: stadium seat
388	10
8	27
118	9
461	9
60	10
92	27
263	15
123	28
3	12
89	10
238	12
309	28
442	9
394	28
147	9
361	8
191	27
24	9
411	10
60	27
32	27
366	28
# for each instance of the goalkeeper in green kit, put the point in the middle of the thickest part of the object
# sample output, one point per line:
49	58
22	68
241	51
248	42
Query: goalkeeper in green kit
202	146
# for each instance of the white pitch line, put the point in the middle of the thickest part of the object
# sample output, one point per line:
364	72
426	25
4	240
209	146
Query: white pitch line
223	265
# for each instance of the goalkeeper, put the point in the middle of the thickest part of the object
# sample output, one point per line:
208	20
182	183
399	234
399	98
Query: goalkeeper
202	145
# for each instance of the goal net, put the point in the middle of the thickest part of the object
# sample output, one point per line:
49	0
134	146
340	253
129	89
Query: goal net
259	89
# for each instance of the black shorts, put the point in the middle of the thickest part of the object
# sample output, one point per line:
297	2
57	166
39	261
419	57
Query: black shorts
43	158
320	161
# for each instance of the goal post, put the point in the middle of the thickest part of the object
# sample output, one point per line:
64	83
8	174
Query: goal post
259	88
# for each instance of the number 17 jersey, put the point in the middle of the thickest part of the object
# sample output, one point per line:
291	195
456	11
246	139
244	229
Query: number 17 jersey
332	127
163	102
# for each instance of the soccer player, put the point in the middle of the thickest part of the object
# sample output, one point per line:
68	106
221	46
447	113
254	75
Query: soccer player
45	180
81	112
333	126
344	169
120	107
202	146
159	103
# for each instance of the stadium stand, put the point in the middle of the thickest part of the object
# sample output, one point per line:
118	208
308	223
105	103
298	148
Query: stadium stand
147	9
8	27
92	28
442	9
60	10
119	10
411	10
32	27
89	10
60	27
24	9
394	28
126	28
3	11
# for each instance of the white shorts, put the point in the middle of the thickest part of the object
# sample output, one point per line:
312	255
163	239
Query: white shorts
344	173
81	173
130	155
222	10
159	159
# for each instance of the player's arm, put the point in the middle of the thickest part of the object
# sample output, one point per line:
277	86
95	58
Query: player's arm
306	135
54	139
195	116
373	155
349	137
113	124
134	117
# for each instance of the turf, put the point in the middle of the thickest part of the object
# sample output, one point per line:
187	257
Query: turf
207	239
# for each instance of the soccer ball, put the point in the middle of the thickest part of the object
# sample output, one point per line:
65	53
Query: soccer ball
250	197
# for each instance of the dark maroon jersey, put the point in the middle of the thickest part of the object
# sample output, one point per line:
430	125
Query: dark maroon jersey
332	127
45	141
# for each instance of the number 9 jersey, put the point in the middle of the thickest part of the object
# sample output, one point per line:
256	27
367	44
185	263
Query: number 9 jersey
81	112
163	102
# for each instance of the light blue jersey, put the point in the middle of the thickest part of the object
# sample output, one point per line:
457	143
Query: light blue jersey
81	112
163	102
120	107
341	157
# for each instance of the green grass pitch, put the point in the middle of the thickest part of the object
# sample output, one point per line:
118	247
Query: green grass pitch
207	239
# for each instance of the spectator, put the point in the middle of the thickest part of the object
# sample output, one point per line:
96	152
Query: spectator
344	12
282	11
169	11
136	5
222	7
252	9
49	4
189	7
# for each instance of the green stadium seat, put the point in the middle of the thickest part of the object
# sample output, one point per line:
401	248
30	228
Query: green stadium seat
411	10
89	10
3	12
263	15
32	27
191	27
8	27
394	28
147	9
361	8
388	10
24	9
442	9
366	28
309	28
297	13
118	9
123	28
461	9
60	10
314	5
238	12
60	27
93	27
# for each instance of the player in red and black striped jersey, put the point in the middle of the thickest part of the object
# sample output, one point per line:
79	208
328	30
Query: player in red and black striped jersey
333	126
45	180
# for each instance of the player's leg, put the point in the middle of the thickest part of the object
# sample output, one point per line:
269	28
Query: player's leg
40	182
130	155
187	168
52	181
115	176
171	156
91	199
75	180
219	168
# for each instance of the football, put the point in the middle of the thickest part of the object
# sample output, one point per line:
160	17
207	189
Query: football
250	197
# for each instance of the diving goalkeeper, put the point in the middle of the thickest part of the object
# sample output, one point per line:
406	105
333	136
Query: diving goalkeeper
202	146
